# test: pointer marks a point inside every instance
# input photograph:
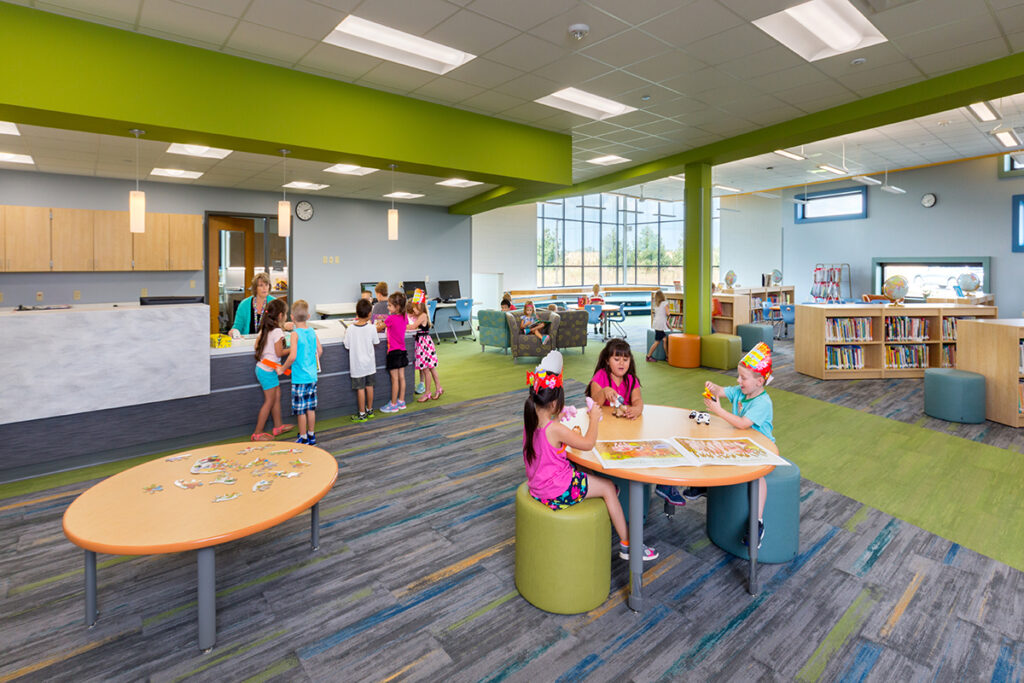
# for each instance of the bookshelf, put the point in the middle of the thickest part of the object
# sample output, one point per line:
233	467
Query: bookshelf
995	349
844	341
733	311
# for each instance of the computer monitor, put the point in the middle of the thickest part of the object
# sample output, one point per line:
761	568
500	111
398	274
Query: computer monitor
410	286
166	300
448	289
367	286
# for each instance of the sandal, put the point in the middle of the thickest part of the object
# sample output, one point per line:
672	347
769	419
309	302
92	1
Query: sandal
424	398
262	436
282	429
437	394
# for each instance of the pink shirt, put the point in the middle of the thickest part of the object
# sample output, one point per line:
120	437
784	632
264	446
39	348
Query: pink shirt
604	379
551	472
395	325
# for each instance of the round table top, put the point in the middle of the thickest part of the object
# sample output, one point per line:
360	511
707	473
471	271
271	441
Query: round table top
120	517
665	422
605	308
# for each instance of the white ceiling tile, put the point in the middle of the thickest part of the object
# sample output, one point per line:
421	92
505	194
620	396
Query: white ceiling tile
572	70
665	65
699	81
636	118
661	127
556	29
331	59
961	57
757	64
526	53
182	20
821	103
731	44
802	75
872	78
1011	20
268	44
973	29
916	16
119	13
693	22
529	112
1016	41
484	73
727	94
613	84
635	11
491	101
802	94
755	9
624	48
676	107
447	90
522	14
231	8
471	32
416	18
396	77
297	17
769	116
529	87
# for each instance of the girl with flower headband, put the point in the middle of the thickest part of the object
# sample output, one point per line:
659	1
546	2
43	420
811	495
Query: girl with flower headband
553	480
426	354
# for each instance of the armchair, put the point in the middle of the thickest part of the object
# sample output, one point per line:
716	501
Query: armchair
572	330
529	344
493	330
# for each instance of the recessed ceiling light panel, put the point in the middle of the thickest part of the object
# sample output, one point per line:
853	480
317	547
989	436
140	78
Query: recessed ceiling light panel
821	28
388	43
10	158
350	169
832	169
8	128
176	173
984	112
607	160
198	151
726	188
303	185
790	155
586	104
458	182
1007	138
403	195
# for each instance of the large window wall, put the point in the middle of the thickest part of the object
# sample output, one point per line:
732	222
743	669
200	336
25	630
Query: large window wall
613	240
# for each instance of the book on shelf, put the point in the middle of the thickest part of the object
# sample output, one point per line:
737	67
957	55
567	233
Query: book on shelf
1020	364
844	358
948	356
1020	397
905	328
906	356
847	329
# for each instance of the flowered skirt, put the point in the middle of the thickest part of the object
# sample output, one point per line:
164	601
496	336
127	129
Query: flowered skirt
426	354
576	492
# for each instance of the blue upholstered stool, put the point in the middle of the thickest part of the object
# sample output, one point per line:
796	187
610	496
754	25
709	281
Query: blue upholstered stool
954	395
659	353
751	333
728	508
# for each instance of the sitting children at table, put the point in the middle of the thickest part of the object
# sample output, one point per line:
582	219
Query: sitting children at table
553	480
751	408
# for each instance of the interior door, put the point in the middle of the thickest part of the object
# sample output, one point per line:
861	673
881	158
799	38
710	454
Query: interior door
219	285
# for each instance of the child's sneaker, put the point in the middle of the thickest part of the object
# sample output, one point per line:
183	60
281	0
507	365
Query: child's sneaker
370	414
649	553
760	534
421	388
694	492
302	439
401	405
311	439
545	339
358	417
670	494
389	407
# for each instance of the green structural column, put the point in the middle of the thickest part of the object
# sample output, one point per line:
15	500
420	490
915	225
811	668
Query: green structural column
697	255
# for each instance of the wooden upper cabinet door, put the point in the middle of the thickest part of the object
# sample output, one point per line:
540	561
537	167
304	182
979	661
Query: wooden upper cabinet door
150	247
3	250
27	238
112	240
185	236
71	233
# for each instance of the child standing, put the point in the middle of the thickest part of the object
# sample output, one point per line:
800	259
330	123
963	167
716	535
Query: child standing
303	359
660	323
380	307
398	357
426	354
269	349
530	324
553	480
751	408
360	339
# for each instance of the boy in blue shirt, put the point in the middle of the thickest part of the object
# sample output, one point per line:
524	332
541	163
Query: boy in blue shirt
304	360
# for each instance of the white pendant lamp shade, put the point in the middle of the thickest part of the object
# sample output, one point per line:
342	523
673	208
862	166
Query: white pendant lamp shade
136	211
284	219
392	224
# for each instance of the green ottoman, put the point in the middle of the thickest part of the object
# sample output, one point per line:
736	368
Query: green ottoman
728	508
563	557
722	351
751	333
659	353
954	395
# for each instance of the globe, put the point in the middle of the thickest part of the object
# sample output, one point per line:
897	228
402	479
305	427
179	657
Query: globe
969	282
895	288
730	278
776	276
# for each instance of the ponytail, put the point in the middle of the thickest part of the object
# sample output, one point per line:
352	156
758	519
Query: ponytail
553	398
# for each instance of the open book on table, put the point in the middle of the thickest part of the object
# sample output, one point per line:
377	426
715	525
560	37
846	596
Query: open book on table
683	451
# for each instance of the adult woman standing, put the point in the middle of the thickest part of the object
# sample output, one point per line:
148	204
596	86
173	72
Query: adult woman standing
250	309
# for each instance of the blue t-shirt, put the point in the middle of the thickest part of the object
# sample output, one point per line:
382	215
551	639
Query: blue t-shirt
758	409
304	367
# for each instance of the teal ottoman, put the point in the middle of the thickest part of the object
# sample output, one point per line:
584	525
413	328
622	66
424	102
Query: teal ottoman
563	557
728	508
659	353
954	395
722	351
752	333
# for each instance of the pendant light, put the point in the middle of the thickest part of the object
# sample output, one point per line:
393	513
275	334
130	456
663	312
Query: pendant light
284	207
392	212
137	198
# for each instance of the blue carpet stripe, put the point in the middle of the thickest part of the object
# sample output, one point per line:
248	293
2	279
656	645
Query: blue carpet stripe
650	620
804	496
700	580
482	466
863	662
587	666
951	554
1003	670
421	515
479	513
707	643
945	651
875	549
518	664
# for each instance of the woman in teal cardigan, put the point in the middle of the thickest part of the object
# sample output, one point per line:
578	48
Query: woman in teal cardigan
250	309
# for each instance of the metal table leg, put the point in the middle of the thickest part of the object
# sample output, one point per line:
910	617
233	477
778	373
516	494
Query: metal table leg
207	599
314	526
636	545
90	588
752	536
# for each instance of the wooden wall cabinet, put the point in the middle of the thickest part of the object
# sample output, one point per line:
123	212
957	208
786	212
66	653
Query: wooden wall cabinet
3	249
993	348
72	243
26	238
185	242
150	249
112	241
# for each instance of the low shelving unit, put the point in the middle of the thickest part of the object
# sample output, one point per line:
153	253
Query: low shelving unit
995	349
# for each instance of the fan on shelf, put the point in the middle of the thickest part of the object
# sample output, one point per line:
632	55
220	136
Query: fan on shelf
895	289
969	283
730	278
776	276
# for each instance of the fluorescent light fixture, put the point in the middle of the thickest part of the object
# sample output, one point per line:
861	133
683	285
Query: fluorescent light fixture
388	43
350	169
607	160
832	169
680	178
790	155
585	104
403	195
10	158
821	28
892	189
1008	138
458	182
8	128
176	173
866	180
302	185
726	188
984	112
198	151
766	195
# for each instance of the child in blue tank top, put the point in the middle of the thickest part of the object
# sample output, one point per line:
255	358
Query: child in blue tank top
303	359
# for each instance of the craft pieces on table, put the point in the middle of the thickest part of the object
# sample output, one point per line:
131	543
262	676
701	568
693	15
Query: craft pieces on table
226	497
187	484
261	485
152	488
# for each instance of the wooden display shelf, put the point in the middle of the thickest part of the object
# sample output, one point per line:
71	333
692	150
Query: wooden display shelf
992	348
735	311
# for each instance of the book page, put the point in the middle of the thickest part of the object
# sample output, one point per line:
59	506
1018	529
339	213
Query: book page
641	453
734	451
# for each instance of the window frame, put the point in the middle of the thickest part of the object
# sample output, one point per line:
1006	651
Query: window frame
1017	223
799	209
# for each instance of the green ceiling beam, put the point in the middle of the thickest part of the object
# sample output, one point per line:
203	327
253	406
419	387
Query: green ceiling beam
65	73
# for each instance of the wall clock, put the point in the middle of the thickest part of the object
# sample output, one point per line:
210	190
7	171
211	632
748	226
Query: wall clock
304	210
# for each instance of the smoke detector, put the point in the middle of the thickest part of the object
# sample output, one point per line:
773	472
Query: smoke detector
579	31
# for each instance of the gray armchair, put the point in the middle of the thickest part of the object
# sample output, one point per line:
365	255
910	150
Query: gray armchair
572	330
529	344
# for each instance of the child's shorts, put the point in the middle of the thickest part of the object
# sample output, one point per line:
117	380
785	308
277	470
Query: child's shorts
397	359
659	335
267	378
303	398
576	492
363	382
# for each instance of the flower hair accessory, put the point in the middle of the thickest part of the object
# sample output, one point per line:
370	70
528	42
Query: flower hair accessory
418	296
543	380
759	359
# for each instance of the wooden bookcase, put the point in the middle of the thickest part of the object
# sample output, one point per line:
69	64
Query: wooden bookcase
993	348
675	310
734	311
844	341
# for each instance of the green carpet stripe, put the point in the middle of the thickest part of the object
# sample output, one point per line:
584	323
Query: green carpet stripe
42	582
483	610
700	544
237	651
878	400
847	625
278	668
856	518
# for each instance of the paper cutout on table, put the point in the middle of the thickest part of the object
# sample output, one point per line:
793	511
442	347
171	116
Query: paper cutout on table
261	485
153	488
641	453
300	463
731	451
284	451
224	478
250	449
176	458
208	465
187	484
226	496
288	475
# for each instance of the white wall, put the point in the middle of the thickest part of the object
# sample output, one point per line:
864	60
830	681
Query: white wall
750	238
505	242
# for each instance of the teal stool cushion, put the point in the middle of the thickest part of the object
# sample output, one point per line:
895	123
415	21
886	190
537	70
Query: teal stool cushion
751	333
722	351
954	395
727	518
563	557
659	353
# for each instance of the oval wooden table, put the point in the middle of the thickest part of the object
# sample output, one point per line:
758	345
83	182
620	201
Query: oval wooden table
125	515
666	422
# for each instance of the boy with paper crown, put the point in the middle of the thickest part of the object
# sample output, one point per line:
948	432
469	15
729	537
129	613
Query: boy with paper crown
751	408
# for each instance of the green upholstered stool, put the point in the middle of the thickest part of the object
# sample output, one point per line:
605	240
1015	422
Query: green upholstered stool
751	333
563	557
728	508
659	353
954	395
722	351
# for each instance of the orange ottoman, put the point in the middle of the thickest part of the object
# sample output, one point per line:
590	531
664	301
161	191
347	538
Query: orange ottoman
684	350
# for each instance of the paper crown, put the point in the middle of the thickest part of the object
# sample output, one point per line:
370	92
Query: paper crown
418	296
548	374
759	359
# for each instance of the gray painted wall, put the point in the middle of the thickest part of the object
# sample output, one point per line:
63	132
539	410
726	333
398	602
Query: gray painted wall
750	238
432	243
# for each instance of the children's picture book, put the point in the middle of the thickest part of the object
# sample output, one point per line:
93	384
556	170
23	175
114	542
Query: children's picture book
641	453
734	451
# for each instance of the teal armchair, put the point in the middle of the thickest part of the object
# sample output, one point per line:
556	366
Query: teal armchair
493	330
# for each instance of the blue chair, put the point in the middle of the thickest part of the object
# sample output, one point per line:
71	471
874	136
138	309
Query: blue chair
431	311
788	317
593	314
615	319
464	307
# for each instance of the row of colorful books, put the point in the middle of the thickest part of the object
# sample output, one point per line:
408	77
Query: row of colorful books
905	328
844	357
847	329
949	327
1020	365
948	359
1020	397
906	356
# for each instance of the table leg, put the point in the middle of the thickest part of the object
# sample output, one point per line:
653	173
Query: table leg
636	545
90	588
753	490
207	599
314	526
